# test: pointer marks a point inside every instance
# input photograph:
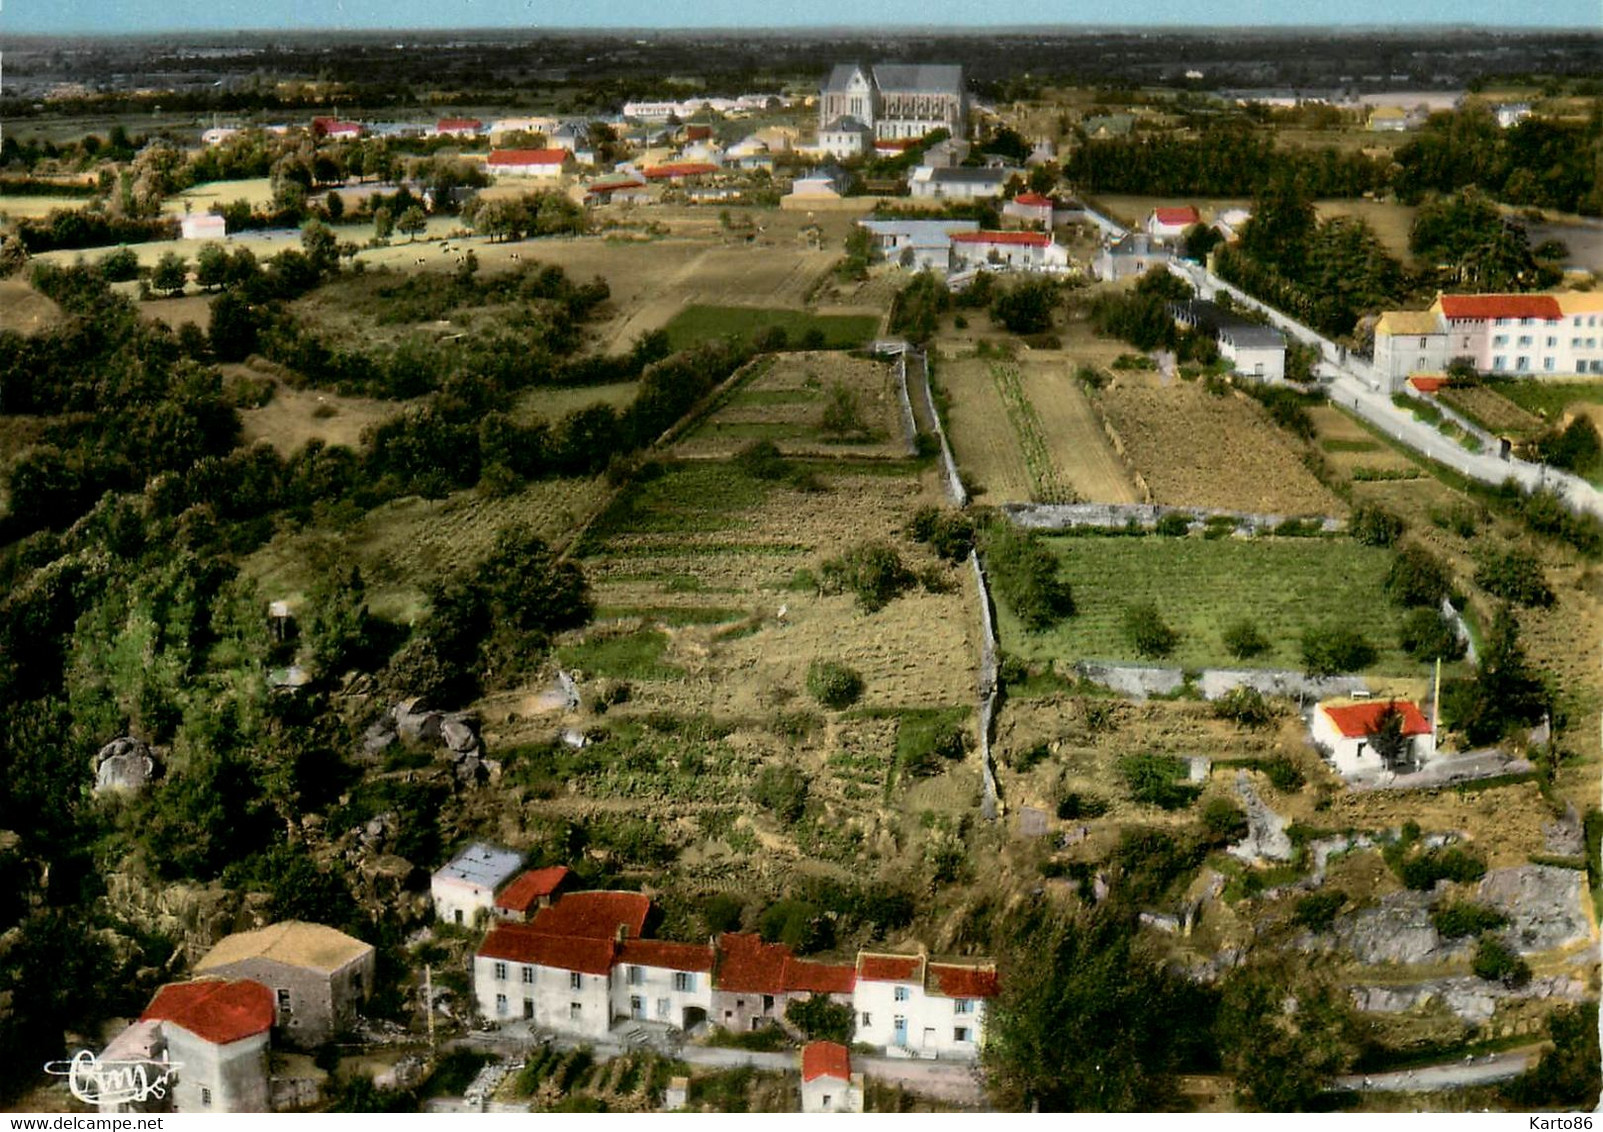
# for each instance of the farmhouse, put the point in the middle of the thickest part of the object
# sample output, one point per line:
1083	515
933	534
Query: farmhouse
1253	350
318	976
895	100
907	1003
1019	251
1032	208
1533	335
828	1084
918	245
530	892
1131	255
958	182
205	226
465	885
336	129
1171	223
845	137
529	162
458	128
1373	736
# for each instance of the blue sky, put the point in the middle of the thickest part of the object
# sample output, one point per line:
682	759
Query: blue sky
80	16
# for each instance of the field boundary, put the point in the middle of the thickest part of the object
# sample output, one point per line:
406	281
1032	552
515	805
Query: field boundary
990	692
1117	441
905	403
1070	516
953	482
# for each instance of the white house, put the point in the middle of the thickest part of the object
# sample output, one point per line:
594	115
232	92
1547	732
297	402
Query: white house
907	1004
458	128
203	226
960	182
825	182
1511	113
918	245
550	162
1409	342
215	1032
559	983
1018	251
1534	335
844	137
1171	223
1252	349
664	982
466	885
1347	731
1032	208
1131	255
828	1084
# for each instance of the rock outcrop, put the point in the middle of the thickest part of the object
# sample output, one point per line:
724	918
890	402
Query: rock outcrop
124	766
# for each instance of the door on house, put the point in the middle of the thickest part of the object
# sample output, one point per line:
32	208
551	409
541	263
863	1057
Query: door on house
899	1025
528	1009
637	1007
929	1037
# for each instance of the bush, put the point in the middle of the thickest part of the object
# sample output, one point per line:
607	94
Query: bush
797	924
1373	525
1223	821
722	912
1514	575
1333	650
1317	911
1567	1076
1025	574
1425	634
873	571
1283	774
1422	871
1417	577
1174	525
1153	779
782	790
1074	806
1148	632
833	684
1459	919
949	534
1244	705
1244	641
1496	962
761	460
822	1020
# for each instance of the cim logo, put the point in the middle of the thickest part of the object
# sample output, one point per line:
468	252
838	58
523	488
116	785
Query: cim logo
98	1082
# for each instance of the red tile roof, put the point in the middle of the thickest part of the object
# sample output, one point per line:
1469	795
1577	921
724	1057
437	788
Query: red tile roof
820	978
1427	384
679	169
1500	306
445	125
524	943
826	1059
524	891
1034	200
1029	239
961	981
664	953
1186	215
528	156
594	915
889	968
215	1010
1355	721
748	964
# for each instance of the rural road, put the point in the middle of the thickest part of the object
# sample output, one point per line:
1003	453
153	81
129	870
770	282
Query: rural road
1450	1075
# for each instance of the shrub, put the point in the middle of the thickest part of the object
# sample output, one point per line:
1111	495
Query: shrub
1174	525
872	571
783	790
1244	705
1373	525
1515	576
721	912
1244	641
1496	962
797	924
833	684
843	416
822	1020
1317	911
1459	919
949	534
1425	634
1332	650
1223	821
1074	806
1147	631
1153	779
1421	871
1283	774
761	460
1026	576
1417	577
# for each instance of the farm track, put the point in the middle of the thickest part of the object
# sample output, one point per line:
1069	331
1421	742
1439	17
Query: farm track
1080	445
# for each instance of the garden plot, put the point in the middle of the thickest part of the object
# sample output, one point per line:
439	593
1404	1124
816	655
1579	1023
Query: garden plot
1492	411
1355	452
1202	586
1195	449
788	402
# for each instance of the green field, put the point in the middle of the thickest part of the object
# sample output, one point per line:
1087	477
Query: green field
696	324
1550	398
1201	586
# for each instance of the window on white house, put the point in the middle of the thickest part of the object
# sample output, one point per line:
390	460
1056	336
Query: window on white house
528	974
901	994
664	1008
205	1097
684	981
960	1033
500	972
575	980
283	1001
637	976
1499	362
963	1006
867	1020
1522	364
574	1010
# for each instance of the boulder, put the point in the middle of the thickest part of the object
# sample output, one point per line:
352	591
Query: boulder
1266	830
124	766
459	732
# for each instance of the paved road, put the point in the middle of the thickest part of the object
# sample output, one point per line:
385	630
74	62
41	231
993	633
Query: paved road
1453	1075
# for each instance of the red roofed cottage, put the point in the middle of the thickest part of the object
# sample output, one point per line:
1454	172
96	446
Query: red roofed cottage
1350	733
1171	223
827	1081
528	162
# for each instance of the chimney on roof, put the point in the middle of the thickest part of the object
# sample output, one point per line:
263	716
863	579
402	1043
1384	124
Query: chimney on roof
622	935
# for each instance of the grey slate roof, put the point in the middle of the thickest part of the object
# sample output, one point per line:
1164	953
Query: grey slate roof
482	864
962	175
919	78
842	74
1213	319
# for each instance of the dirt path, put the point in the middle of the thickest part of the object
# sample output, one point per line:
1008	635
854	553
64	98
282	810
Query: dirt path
1080	447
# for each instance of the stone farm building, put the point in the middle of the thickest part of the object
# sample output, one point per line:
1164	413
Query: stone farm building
319	977
895	100
465	886
1533	335
580	968
1347	731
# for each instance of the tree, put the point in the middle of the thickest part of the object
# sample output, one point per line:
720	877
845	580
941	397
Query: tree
833	684
1026	308
1146	629
412	222
1333	650
783	790
1025	574
211	266
383	222
1425	634
1514	575
873	571
1281	1059
1504	691
1087	1020
235	327
1390	740
337	624
1373	525
1244	640
821	1019
321	246
1223	821
1417	577
843	415
171	273
1567	1076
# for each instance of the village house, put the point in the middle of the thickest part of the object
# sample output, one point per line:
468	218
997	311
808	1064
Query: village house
336	129
203	226
215	1034
319	977
1251	348
458	128
524	896
828	1083
895	100
845	138
1525	335
465	886
1014	251
677	172
1510	114
1131	255
914	1007
1031	208
1345	733
1169	224
827	182
917	245
550	162
929	182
